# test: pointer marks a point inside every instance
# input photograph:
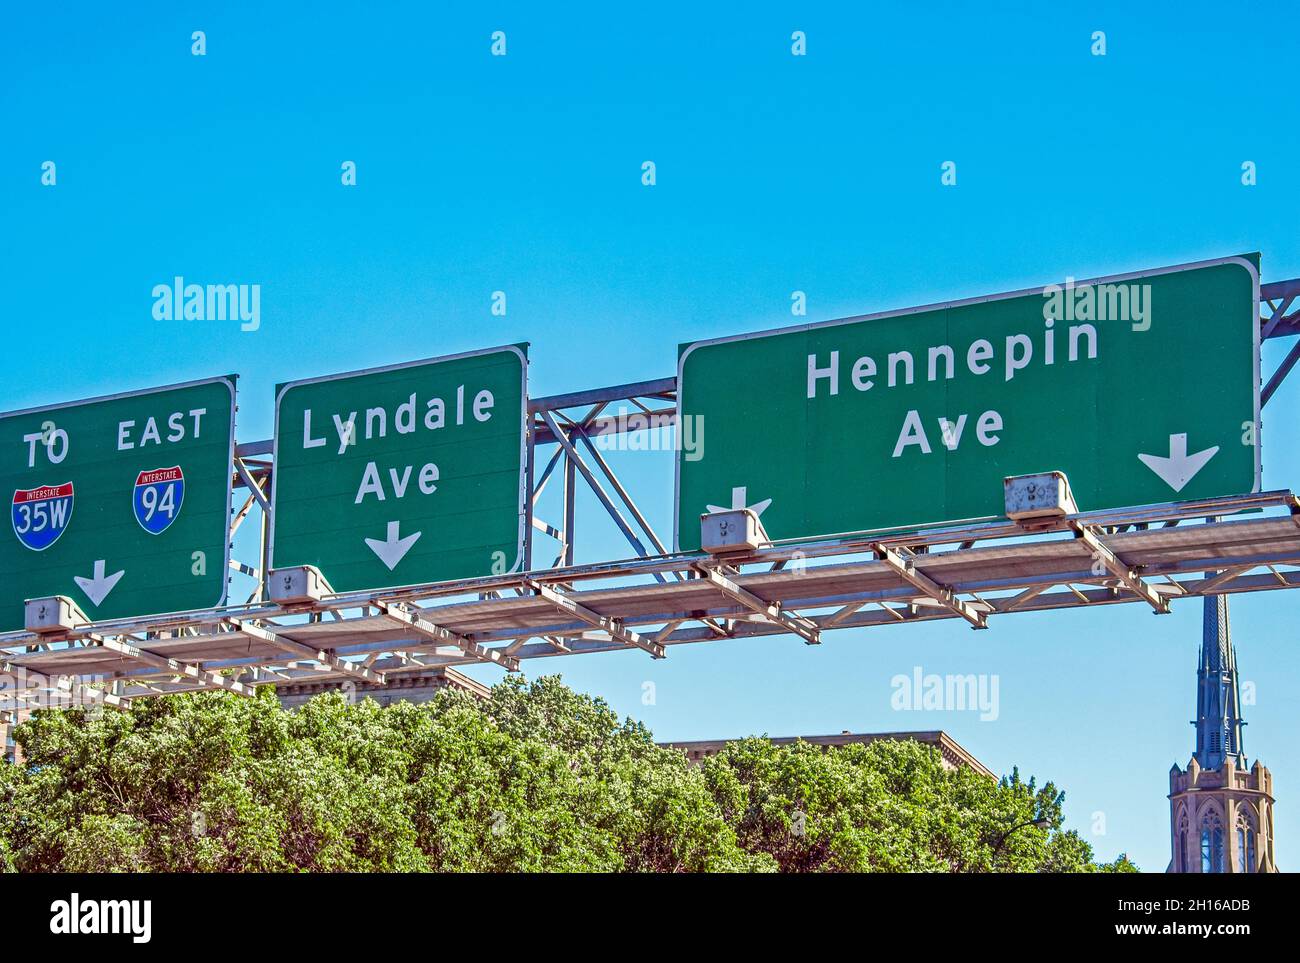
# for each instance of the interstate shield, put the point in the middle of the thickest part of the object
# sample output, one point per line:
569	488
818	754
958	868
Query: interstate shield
157	498
41	515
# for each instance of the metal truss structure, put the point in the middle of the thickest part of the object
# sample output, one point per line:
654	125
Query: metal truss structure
1151	555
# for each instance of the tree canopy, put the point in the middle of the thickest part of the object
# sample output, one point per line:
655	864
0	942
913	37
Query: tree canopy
535	778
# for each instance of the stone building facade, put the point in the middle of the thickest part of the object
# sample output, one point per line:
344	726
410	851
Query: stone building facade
414	687
954	756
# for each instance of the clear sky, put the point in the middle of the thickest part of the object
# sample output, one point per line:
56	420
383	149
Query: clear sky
775	173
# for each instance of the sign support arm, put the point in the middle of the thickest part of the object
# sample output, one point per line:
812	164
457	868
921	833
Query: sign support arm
906	570
796	624
1116	566
616	629
263	634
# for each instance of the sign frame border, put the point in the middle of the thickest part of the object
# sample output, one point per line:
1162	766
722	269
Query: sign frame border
520	563
1239	259
231	381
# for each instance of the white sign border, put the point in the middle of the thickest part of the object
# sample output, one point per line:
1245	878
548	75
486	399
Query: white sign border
521	541
1005	296
231	381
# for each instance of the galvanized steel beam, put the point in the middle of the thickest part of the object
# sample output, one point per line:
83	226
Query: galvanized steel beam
1120	569
408	616
806	629
906	569
262	634
616	629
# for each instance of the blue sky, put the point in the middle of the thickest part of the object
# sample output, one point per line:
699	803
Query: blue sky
774	173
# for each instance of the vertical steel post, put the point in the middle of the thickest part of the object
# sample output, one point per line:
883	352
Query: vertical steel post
264	563
529	468
570	516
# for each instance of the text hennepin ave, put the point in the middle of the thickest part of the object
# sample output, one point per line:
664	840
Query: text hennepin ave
1084	304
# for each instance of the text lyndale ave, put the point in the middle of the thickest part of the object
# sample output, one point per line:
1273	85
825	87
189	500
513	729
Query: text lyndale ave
406	418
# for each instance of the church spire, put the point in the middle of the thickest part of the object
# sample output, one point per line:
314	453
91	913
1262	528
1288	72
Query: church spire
1218	704
1217	824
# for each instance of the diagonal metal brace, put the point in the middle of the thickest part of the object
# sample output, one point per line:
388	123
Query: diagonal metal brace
597	489
205	676
436	633
263	634
905	568
806	629
616	629
1120	569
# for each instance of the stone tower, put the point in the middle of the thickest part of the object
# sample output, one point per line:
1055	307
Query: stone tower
1221	812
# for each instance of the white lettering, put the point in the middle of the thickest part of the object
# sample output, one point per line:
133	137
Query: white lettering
307	440
980	351
863	369
831	373
370	484
988	423
912	434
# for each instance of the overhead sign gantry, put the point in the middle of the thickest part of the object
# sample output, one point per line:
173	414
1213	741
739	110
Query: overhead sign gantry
1033	544
1142	388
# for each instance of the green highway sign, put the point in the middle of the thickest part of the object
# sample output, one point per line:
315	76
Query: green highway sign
120	503
1143	388
406	474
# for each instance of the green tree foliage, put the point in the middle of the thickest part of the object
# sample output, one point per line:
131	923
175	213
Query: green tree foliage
887	806
1122	864
536	778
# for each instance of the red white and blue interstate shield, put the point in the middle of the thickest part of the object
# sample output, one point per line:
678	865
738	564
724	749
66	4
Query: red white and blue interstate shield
157	498
41	515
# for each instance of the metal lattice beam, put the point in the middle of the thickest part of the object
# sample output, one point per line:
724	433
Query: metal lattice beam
906	569
1120	569
616	629
804	628
207	679
253	630
436	633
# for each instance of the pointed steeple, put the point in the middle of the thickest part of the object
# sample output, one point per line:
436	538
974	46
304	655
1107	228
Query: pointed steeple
1218	704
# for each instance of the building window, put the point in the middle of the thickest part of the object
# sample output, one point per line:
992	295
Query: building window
1183	865
1211	844
1245	844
